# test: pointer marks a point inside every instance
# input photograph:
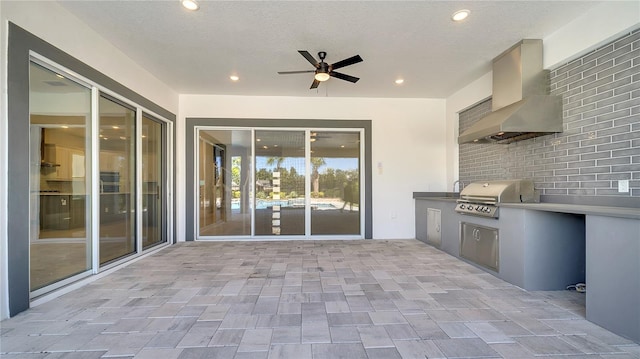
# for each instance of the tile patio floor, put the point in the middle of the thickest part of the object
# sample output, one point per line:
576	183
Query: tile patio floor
307	299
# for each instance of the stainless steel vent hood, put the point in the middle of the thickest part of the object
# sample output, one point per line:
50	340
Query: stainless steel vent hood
521	106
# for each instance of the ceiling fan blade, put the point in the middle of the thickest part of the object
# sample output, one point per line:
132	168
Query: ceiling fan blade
294	72
346	62
342	76
314	84
309	58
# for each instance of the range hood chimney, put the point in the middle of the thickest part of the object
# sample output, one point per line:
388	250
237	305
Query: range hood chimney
521	105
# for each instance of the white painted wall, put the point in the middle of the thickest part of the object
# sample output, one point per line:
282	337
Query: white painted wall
54	24
408	139
599	25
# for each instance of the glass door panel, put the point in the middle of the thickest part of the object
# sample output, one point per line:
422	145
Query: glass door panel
60	115
117	180
335	183
209	208
280	182
154	228
224	191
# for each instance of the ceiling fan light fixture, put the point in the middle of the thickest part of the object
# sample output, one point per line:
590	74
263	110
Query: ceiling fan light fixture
323	71
322	76
190	4
460	15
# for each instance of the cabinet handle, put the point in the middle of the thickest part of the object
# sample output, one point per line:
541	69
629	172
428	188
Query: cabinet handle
157	192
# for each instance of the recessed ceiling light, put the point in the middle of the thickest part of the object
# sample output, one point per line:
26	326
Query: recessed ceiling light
115	127
399	81
234	78
460	15
59	76
190	4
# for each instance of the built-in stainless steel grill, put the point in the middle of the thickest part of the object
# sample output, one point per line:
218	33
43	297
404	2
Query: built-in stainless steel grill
482	198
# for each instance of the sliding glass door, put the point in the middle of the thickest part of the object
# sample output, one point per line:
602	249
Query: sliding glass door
306	183
280	182
154	182
98	179
335	179
224	183
117	179
60	121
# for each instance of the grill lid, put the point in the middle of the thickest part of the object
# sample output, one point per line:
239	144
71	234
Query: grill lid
505	191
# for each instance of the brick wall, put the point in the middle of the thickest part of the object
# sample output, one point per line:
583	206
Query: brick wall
600	143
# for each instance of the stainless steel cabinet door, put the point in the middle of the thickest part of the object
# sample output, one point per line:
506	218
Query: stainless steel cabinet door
434	234
480	245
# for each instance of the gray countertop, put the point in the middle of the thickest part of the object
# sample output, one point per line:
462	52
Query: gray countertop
622	212
592	210
437	196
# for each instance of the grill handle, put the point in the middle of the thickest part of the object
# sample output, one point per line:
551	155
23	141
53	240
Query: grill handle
478	199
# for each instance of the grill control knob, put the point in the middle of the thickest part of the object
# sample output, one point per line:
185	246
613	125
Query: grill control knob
462	206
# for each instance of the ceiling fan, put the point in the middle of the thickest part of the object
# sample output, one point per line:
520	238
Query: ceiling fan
323	70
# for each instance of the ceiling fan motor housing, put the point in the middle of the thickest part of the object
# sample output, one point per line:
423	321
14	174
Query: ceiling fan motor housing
323	67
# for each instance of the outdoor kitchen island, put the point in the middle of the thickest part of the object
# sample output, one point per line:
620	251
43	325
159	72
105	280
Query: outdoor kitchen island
607	240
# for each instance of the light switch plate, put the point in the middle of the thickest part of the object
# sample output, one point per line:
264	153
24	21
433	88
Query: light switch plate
623	186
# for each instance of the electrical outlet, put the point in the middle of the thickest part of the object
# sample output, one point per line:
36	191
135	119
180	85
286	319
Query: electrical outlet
623	186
